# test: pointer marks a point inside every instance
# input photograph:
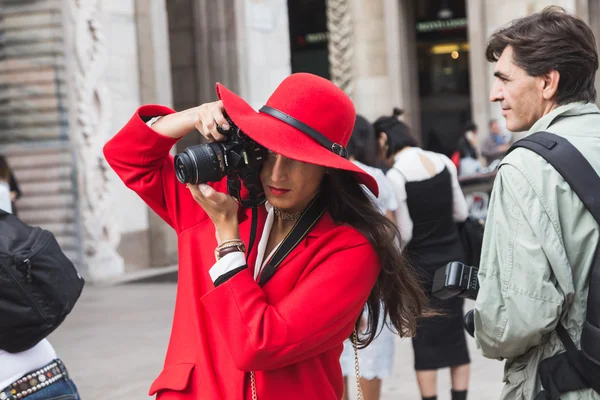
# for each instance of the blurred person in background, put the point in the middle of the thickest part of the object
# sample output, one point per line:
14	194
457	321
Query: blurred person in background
37	372
430	203
9	188
496	144
29	369
472	134
376	360
467	148
382	153
467	143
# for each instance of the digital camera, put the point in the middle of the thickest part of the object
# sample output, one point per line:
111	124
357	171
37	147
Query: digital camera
238	158
211	162
455	279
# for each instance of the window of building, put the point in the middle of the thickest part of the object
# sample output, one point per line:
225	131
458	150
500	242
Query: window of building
443	70
309	36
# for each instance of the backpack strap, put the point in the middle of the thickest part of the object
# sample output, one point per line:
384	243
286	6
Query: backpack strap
570	163
585	182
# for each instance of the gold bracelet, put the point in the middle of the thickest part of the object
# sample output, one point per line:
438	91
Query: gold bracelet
230	241
230	247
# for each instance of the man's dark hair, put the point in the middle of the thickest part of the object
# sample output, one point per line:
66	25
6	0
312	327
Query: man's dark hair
552	40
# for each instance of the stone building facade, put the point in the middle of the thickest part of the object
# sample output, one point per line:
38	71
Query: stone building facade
72	72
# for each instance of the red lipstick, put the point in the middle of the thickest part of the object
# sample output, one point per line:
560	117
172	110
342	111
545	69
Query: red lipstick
277	191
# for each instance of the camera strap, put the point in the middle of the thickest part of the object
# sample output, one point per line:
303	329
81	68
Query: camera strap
304	224
256	195
253	228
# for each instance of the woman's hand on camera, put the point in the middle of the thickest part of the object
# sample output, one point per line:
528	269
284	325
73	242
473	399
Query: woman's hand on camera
208	117
204	118
221	208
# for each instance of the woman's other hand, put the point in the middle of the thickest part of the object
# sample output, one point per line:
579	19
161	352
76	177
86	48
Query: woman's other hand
221	208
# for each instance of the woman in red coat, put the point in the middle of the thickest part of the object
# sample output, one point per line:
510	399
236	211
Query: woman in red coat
244	328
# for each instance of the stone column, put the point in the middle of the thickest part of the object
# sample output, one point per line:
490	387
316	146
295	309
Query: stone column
341	43
582	9
479	68
204	50
90	116
410	71
155	88
589	11
372	93
401	83
215	46
153	51
593	12
265	39
242	48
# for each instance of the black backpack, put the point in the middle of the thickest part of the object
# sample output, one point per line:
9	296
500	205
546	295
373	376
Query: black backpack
574	369
38	284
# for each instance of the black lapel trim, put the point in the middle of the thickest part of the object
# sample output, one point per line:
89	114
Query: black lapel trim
309	218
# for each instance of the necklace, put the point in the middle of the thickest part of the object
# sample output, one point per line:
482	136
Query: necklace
287	216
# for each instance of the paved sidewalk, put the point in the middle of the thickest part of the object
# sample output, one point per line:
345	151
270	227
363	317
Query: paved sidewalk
115	340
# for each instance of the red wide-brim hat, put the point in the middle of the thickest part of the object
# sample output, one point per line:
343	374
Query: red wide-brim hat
307	118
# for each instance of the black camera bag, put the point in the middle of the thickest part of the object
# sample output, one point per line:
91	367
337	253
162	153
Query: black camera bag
39	285
471	236
574	369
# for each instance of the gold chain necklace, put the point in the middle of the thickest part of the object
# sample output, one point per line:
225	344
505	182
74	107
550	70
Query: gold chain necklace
286	215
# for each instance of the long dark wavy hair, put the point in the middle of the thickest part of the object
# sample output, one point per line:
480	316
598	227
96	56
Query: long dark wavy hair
398	292
5	172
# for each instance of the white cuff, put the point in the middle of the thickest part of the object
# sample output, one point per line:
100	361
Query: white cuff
227	263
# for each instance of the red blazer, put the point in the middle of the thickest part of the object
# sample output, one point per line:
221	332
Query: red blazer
290	331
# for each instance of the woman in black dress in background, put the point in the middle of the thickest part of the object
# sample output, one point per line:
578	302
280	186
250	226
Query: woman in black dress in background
430	203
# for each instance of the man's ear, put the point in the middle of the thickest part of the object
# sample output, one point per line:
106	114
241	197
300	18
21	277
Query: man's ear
551	80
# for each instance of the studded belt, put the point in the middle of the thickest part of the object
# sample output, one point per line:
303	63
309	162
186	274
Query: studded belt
35	380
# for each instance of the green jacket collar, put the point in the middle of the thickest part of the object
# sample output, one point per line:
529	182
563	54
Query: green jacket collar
567	110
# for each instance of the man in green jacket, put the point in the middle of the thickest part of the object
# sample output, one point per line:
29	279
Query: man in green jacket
539	240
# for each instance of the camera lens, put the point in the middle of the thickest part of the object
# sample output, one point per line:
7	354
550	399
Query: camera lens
200	164
184	168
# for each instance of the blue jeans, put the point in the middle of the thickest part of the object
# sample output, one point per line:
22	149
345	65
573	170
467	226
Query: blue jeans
59	390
